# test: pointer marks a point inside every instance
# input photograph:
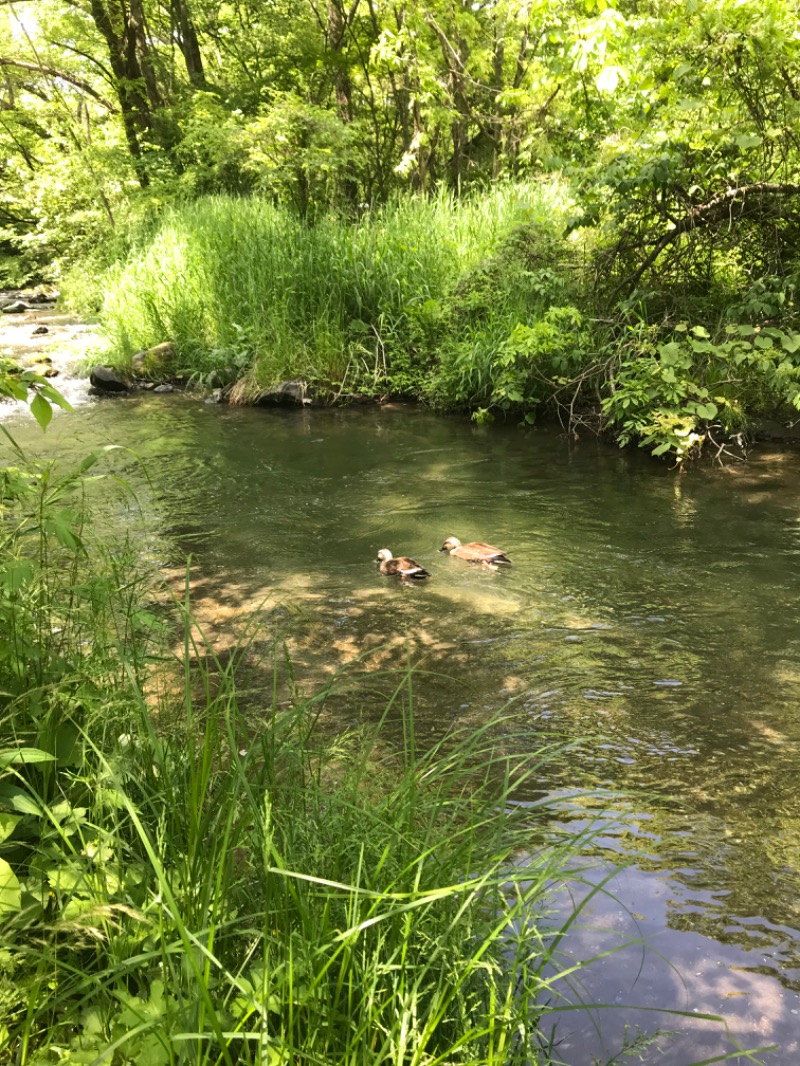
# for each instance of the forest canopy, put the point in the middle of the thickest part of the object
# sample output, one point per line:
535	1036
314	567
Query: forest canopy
671	126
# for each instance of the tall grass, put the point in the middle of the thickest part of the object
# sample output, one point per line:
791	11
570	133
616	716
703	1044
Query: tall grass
248	291
181	882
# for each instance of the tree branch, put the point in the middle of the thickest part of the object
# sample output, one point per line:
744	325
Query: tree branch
72	79
737	203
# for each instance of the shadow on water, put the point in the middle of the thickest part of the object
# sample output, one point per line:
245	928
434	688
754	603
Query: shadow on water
651	616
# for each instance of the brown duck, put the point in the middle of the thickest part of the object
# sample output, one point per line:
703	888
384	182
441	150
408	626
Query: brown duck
402	566
476	552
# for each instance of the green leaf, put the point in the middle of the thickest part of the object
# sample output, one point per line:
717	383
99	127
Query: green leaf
10	891
41	410
669	352
52	395
15	574
23	757
609	78
747	140
8	823
17	799
17	390
88	461
61	524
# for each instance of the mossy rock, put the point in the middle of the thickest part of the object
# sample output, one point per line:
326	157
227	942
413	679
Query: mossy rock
156	363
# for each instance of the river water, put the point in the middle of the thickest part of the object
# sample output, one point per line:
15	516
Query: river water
650	616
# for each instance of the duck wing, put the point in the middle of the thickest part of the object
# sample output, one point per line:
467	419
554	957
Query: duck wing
479	552
403	567
406	567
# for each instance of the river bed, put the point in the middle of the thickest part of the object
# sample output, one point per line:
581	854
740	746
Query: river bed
651	616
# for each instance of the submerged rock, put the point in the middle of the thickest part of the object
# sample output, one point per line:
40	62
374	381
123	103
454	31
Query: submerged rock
285	393
40	331
105	379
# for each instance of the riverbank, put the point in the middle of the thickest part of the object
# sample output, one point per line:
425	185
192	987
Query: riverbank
489	304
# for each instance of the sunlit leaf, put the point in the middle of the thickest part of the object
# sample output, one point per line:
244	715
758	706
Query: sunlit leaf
8	823
609	78
10	891
41	410
23	757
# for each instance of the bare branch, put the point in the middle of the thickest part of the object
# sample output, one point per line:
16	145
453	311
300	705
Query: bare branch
52	72
107	75
733	204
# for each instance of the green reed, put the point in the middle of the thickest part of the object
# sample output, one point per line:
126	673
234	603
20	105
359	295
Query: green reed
250	292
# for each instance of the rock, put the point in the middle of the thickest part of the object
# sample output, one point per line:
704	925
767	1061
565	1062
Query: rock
40	331
44	370
156	361
41	298
104	379
164	388
215	397
286	393
15	308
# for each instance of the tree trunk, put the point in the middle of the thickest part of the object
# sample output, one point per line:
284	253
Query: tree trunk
134	78
189	44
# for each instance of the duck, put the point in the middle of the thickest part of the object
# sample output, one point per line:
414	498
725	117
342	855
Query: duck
401	567
476	552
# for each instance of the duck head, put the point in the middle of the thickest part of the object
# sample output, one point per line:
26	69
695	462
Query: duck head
450	544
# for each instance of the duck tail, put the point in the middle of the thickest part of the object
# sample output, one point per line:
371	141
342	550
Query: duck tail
418	575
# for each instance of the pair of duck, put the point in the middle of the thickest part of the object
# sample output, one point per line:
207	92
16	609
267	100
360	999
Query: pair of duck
475	552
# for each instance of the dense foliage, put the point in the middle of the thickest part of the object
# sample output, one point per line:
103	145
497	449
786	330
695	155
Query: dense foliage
671	126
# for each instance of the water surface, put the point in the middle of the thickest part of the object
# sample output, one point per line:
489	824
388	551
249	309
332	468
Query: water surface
649	614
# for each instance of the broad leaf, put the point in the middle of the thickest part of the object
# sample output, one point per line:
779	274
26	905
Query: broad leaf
41	410
8	823
10	891
23	757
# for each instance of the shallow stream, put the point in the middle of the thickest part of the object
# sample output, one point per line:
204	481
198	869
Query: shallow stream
651	616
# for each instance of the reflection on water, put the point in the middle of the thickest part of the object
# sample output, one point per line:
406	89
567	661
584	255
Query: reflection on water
649	614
